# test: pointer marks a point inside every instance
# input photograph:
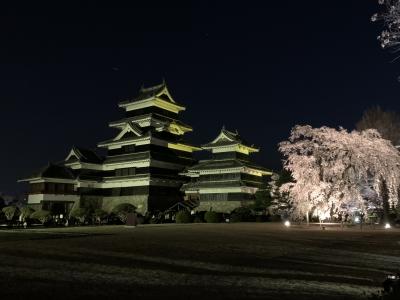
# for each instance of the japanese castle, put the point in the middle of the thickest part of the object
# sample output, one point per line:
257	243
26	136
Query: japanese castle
228	180
149	164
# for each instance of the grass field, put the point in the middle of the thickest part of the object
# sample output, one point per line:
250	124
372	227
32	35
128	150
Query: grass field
196	261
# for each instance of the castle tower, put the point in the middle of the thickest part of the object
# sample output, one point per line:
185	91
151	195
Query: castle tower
228	179
148	153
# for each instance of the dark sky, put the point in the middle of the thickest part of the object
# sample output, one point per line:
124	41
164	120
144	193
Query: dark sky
257	69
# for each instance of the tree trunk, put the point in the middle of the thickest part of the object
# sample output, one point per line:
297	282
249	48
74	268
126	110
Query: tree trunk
308	219
386	208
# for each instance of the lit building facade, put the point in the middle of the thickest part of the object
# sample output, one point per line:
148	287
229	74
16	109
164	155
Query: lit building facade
228	179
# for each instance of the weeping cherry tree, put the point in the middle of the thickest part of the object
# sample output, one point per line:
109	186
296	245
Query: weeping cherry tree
337	172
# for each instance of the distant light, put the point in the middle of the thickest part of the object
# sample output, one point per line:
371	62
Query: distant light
287	223
357	219
387	226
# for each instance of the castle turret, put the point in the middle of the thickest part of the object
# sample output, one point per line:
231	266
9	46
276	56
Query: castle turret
228	179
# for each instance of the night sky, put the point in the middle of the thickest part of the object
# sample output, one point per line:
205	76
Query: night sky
257	69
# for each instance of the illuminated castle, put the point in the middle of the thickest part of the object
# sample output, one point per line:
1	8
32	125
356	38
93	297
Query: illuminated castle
141	167
228	179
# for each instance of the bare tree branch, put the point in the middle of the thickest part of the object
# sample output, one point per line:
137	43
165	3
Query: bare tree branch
387	123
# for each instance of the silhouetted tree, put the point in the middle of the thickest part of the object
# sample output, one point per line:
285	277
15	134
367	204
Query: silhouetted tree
263	199
10	212
26	212
387	123
281	203
41	215
2	202
385	200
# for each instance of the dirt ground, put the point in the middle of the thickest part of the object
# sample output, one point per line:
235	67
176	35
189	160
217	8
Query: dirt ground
196	261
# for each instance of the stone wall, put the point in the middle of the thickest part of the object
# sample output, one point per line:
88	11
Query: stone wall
35	206
139	201
90	202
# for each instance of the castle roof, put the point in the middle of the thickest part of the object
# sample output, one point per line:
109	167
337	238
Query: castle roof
156	91
213	164
152	91
84	155
228	138
52	170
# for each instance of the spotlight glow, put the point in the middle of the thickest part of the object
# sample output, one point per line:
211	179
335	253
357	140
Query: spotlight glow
357	219
287	223
387	226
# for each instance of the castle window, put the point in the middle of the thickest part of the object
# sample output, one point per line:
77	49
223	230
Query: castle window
125	172
129	149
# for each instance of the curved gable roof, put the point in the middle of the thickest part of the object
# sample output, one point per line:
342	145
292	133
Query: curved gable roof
84	155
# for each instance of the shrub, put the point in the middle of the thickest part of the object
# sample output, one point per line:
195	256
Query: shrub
2	217
392	294
140	219
122	210
41	215
10	212
276	218
79	213
261	218
183	216
241	214
100	214
154	221
155	217
26	212
234	218
198	219
211	217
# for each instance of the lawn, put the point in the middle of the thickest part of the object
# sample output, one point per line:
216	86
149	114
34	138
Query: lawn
196	261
